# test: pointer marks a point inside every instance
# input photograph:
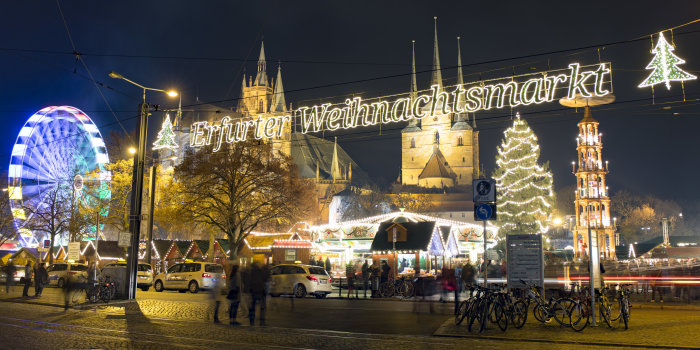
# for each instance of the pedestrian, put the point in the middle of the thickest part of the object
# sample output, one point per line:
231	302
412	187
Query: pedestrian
258	277
504	268
215	296
10	273
468	276
374	276
365	277
386	270
40	278
27	279
328	265
234	295
350	275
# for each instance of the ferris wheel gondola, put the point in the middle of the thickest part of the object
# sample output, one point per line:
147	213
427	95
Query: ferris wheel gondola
58	147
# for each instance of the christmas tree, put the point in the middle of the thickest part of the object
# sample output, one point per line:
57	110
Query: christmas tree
665	65
166	136
525	196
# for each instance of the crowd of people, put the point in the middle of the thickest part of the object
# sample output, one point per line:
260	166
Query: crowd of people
35	273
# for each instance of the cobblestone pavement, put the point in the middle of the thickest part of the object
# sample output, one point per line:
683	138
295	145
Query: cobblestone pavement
172	319
650	326
27	326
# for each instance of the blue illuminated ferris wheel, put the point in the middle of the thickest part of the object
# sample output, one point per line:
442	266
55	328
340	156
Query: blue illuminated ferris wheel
59	147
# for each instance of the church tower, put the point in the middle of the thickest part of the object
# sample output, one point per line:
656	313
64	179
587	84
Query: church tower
257	94
439	151
592	198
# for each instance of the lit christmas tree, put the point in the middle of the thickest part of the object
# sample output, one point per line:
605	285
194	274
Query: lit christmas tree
525	196
664	65
166	136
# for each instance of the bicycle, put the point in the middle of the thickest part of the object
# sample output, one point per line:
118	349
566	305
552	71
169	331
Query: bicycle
623	304
558	309
402	287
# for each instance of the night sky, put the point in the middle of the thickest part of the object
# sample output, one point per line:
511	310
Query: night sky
200	49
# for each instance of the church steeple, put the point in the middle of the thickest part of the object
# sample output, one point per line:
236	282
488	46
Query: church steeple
261	77
437	73
335	166
241	100
460	77
414	84
278	101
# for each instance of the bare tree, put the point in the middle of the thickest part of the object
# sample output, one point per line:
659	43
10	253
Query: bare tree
412	202
363	203
7	227
240	188
50	215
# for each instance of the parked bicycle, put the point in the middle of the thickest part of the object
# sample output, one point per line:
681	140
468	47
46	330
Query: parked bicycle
403	287
545	311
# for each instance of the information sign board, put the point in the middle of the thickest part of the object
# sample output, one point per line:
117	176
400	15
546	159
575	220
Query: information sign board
525	260
73	251
484	190
124	239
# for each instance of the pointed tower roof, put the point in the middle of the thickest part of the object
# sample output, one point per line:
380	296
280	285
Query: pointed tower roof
587	116
241	102
261	77
414	84
278	102
413	124
437	167
460	77
437	73
462	118
335	166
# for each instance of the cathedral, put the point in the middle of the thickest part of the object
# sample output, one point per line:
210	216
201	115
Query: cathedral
441	151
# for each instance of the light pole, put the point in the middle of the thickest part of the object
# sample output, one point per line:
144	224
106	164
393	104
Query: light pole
132	258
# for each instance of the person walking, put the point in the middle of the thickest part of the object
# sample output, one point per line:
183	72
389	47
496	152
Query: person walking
365	277
10	272
374	276
350	275
40	278
258	278
27	279
234	295
468	276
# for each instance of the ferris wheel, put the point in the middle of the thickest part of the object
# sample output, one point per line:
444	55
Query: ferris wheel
58	148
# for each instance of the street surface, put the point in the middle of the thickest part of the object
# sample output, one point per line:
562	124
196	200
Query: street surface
183	320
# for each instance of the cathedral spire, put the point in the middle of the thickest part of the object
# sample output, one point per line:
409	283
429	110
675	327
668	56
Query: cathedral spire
278	101
241	102
460	77
335	167
261	77
414	85
437	73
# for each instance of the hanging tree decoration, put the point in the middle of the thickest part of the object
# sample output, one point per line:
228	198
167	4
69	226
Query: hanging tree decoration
665	65
166	136
525	196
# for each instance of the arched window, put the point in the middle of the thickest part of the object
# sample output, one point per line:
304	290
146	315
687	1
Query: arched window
459	141
437	137
413	142
463	160
260	107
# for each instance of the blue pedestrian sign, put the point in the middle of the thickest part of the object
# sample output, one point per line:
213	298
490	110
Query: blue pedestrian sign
485	212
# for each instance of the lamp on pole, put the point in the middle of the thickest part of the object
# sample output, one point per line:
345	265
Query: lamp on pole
132	258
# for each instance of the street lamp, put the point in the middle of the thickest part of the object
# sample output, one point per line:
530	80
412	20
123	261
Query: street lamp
137	187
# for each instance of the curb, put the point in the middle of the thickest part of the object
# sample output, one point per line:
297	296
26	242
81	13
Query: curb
76	306
554	341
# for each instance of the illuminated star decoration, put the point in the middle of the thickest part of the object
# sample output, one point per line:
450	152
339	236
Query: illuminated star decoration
665	65
166	136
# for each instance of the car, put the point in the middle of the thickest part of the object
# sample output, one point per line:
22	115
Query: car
60	273
300	280
19	273
144	273
192	276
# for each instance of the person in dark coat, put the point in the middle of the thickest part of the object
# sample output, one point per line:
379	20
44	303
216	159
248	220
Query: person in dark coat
386	270
28	273
40	279
258	277
10	272
365	276
234	295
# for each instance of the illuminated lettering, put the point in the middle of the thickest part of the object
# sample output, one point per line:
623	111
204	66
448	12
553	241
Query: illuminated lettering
600	79
576	81
403	114
438	101
435	99
197	127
